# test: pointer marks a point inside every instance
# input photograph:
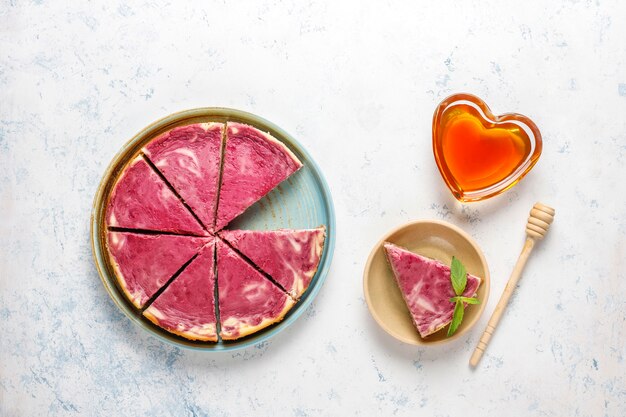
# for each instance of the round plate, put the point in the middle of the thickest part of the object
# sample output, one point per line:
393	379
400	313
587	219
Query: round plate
302	201
434	239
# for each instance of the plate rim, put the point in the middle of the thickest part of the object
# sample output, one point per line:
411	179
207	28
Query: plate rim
486	282
225	113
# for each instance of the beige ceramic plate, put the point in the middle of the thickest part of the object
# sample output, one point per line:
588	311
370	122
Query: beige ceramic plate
434	239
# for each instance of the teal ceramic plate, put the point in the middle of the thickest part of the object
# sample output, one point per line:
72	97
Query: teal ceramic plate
302	201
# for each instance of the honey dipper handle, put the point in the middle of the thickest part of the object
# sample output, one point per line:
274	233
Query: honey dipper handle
541	216
504	301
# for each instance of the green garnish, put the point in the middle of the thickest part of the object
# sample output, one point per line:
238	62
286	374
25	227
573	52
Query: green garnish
465	300
458	277
457	318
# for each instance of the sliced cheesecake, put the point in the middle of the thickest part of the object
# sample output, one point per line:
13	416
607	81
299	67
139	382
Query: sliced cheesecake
254	163
189	158
248	301
290	257
187	306
144	263
140	199
426	288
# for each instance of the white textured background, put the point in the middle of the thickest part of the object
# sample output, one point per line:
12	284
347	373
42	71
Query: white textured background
356	83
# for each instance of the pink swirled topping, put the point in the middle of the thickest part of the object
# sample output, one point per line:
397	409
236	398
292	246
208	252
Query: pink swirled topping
248	301
254	163
187	306
291	257
142	200
426	288
144	263
164	212
189	158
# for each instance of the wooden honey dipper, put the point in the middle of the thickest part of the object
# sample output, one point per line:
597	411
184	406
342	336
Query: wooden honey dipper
538	223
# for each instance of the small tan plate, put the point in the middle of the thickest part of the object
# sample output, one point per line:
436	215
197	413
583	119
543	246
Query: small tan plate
434	239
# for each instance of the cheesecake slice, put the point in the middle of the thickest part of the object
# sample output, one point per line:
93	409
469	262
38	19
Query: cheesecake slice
187	306
189	158
426	288
140	199
144	263
248	301
254	163
290	257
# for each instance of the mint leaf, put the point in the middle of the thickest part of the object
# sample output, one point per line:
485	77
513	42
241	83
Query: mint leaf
457	318
467	300
458	276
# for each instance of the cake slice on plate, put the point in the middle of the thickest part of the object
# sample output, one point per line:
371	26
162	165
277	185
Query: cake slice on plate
248	301
426	288
291	257
187	306
144	263
189	158
142	200
254	163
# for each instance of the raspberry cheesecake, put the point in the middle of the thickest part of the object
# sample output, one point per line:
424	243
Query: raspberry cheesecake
248	301
140	199
189	158
167	245
426	288
143	263
187	307
291	257
254	163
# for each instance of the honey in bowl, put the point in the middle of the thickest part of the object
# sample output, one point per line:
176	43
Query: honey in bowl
478	154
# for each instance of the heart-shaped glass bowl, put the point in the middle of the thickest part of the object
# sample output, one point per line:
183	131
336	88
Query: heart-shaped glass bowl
478	154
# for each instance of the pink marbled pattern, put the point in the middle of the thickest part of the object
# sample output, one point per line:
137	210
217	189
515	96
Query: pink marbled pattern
141	200
254	163
187	306
426	288
144	263
248	301
291	257
189	158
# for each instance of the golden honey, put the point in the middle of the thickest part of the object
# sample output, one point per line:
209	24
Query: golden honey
478	154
